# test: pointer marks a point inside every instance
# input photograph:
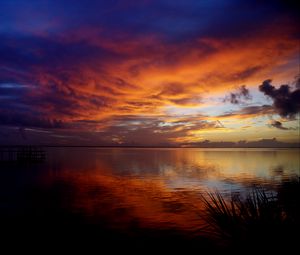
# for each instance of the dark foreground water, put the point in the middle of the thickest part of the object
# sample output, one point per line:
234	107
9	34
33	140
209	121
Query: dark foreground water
133	198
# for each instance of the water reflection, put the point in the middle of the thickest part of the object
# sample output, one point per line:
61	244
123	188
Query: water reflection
135	191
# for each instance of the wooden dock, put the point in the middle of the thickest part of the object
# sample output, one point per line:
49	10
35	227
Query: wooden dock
22	154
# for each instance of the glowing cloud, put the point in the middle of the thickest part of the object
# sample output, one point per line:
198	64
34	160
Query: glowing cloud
118	68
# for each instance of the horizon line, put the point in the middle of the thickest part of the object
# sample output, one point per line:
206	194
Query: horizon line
155	146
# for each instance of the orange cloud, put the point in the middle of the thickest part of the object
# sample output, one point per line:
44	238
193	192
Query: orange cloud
90	82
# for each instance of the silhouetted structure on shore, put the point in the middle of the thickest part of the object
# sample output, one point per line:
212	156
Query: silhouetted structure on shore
22	154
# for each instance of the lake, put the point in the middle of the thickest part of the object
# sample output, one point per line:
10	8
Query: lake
129	193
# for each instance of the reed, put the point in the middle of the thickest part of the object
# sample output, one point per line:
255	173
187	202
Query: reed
262	219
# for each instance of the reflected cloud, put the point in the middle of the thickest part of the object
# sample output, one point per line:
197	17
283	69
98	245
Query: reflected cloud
160	188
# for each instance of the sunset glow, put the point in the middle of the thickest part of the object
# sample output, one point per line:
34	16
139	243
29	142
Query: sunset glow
149	73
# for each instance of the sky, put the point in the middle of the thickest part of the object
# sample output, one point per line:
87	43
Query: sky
149	73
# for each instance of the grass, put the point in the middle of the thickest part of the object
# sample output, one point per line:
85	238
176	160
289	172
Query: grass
264	220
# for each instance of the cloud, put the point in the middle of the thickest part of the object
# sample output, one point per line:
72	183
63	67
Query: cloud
278	124
175	20
157	129
249	112
22	133
28	119
240	96
89	66
262	143
297	82
285	101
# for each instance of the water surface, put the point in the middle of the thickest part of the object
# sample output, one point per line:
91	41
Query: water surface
135	192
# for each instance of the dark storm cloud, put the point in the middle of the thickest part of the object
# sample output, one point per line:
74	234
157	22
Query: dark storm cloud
240	96
286	101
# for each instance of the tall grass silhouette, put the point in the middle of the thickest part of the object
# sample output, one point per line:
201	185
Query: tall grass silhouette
268	220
